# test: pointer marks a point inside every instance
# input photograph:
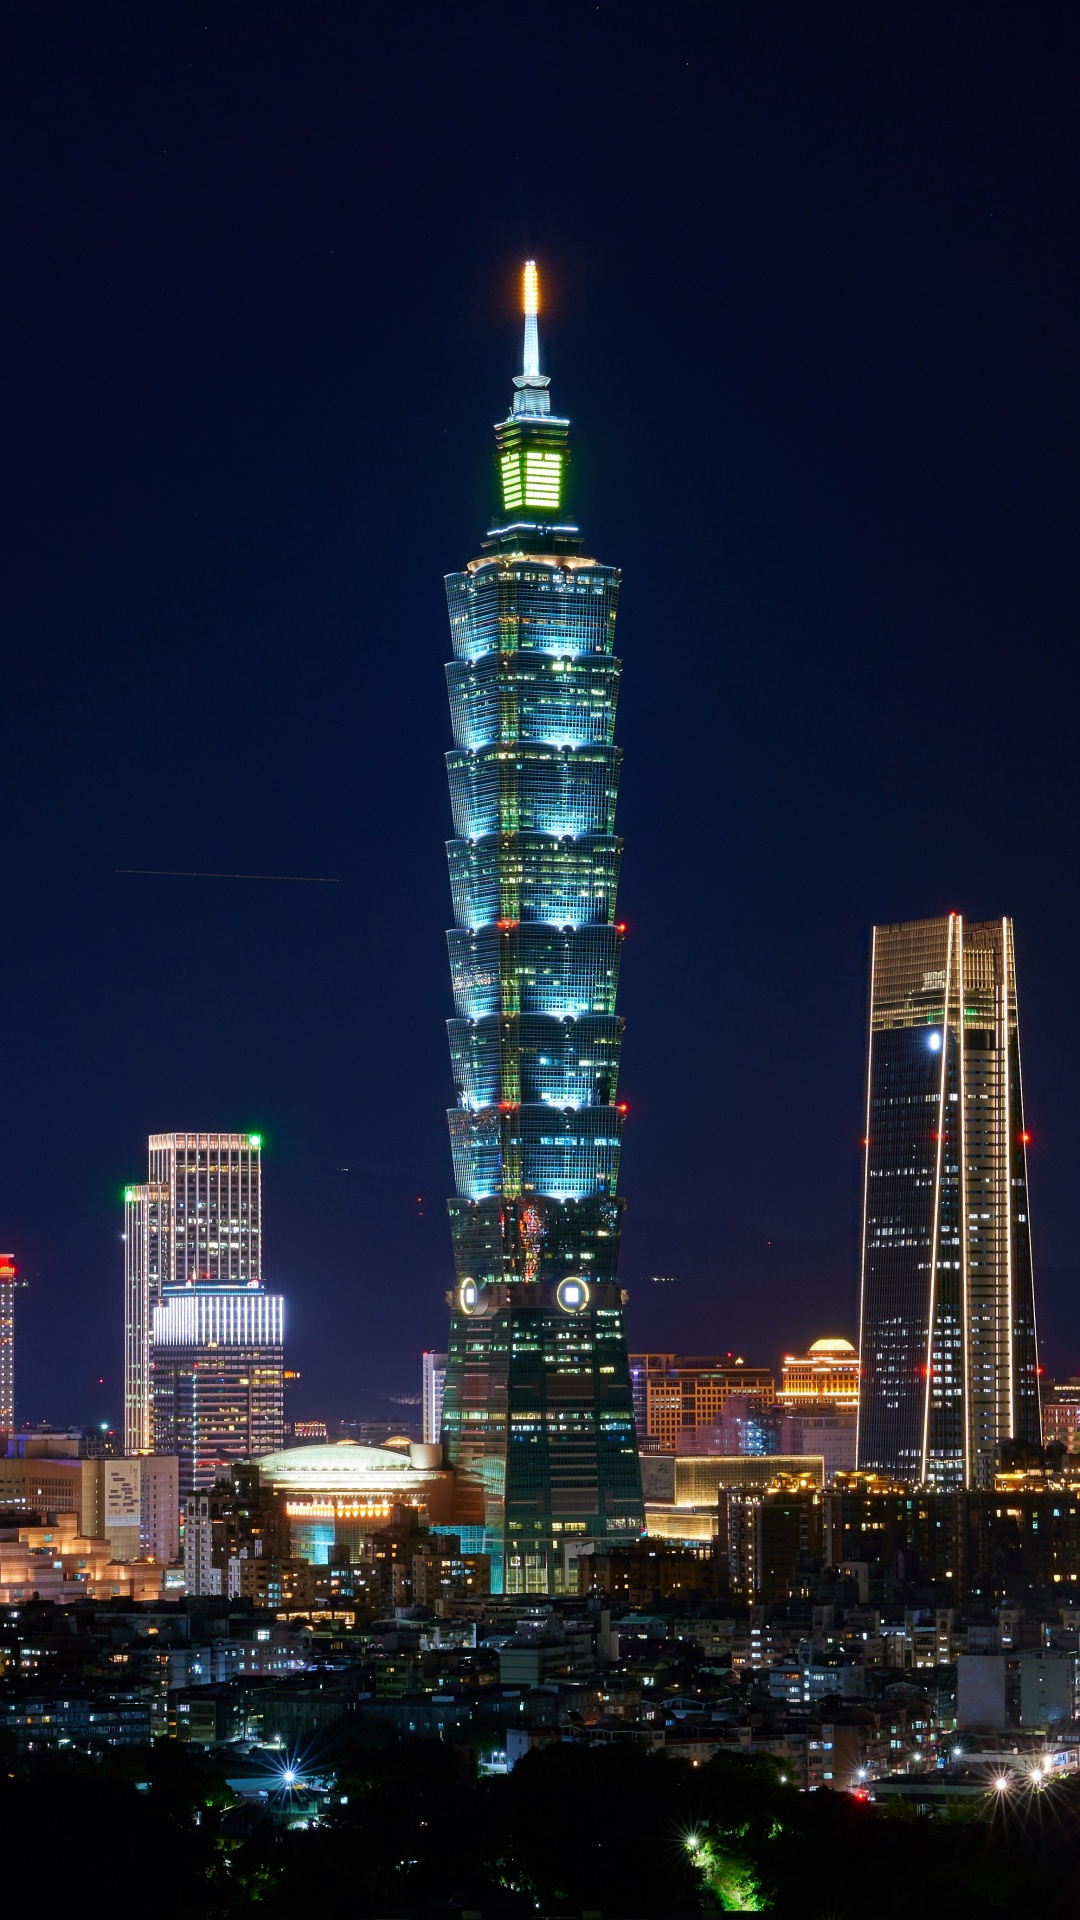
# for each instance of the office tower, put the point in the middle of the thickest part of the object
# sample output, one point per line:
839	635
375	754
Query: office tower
947	1340
203	1340
195	1220
537	1411
676	1393
218	1366
7	1345
434	1388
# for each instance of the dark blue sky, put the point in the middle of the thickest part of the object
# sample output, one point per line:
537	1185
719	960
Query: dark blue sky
812	302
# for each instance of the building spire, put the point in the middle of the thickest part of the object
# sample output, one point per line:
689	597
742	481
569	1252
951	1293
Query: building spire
531	303
531	384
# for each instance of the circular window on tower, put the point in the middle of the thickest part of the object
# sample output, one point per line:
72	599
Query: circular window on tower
572	1294
468	1296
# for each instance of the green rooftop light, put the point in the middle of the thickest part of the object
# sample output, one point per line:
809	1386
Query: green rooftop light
254	1139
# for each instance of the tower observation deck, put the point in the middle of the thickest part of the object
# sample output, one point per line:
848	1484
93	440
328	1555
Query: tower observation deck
537	1415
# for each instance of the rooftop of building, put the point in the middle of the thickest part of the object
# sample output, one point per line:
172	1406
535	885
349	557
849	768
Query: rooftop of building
345	1466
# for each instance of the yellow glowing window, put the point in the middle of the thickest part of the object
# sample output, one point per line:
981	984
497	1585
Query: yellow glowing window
511	479
543	475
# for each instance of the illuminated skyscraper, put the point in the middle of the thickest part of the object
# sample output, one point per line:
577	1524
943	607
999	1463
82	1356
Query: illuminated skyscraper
537	1411
203	1353
7	1345
947	1341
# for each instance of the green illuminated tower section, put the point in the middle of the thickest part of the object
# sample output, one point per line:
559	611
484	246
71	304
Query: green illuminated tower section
538	1414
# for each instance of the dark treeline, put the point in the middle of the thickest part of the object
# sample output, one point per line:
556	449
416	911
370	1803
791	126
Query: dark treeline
409	1832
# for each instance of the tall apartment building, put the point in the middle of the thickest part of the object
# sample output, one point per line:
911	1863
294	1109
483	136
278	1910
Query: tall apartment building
203	1340
537	1411
7	1346
676	1393
947	1336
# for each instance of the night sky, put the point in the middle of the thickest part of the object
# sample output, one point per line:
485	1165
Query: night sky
812	301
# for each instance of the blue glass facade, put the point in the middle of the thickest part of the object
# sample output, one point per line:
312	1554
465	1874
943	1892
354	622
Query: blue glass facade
537	1415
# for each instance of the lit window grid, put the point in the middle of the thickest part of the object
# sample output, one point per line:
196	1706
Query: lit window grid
534	968
535	1150
530	1057
565	881
213	1223
510	606
549	699
533	789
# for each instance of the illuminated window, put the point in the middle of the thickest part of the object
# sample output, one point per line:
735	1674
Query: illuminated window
511	479
543	473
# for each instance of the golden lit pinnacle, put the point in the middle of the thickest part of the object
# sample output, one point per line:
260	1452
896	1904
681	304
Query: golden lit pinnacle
530	291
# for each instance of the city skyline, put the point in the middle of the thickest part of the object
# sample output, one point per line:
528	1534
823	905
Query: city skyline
826	425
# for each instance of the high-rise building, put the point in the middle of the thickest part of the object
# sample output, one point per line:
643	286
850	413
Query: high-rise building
947	1338
537	1411
195	1221
434	1388
218	1365
203	1340
7	1345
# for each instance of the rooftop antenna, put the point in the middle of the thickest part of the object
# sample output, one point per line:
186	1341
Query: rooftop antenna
531	384
531	303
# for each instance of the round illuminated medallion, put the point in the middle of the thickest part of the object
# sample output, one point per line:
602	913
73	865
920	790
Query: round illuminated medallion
468	1296
572	1294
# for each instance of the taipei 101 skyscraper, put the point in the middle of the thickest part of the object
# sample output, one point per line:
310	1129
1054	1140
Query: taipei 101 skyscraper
537	1413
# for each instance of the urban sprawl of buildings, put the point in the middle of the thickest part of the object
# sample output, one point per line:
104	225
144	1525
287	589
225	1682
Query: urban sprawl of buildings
864	1566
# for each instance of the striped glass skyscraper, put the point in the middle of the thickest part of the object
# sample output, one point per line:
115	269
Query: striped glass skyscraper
537	1412
948	1366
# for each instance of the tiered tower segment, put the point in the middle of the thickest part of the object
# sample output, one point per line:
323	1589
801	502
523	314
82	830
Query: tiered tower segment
537	1413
